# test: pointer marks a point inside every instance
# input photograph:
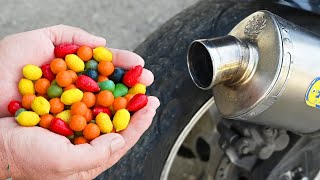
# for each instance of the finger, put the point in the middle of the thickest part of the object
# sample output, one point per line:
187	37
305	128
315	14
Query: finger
146	77
126	59
66	34
139	123
84	157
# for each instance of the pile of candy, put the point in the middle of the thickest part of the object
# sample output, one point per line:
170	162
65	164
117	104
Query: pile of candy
80	94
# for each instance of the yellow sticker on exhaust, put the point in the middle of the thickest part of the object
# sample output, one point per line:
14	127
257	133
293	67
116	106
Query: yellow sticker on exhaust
313	94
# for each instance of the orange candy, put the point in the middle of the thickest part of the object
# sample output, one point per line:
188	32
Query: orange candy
77	122
56	106
85	53
128	97
102	78
74	75
89	99
41	86
105	98
45	120
89	115
71	86
105	68
79	108
80	140
64	78
57	65
119	103
27	100
91	131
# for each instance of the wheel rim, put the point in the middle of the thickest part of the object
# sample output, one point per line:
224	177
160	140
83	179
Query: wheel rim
196	154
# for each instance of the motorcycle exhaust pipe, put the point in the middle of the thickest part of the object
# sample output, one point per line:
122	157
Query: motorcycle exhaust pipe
266	71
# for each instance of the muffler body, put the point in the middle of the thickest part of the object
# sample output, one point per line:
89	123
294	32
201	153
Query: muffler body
266	70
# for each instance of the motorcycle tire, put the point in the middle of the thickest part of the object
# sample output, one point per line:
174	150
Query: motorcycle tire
165	52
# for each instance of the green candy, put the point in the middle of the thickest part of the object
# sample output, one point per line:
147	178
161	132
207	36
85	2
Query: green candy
54	91
107	85
78	133
54	82
20	110
120	90
92	64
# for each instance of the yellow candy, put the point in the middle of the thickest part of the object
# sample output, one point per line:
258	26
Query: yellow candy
121	119
104	122
40	105
32	72
26	86
102	54
28	118
64	115
71	96
74	63
137	89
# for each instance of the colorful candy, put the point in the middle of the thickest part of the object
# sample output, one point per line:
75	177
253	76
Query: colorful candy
92	64
74	63
104	123
19	111
117	75
26	87
62	50
58	126
71	96
85	53
64	115
57	65
121	119
107	85
93	74
132	76
102	54
91	131
77	96
54	91
47	73
40	105
138	89
13	106
32	72
28	118
98	109
137	102
120	90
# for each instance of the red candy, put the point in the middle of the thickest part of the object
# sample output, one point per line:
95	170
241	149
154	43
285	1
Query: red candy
58	126
62	50
47	73
13	106
99	109
137	102
132	76
86	83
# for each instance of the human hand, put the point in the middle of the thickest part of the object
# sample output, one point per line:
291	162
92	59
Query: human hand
37	153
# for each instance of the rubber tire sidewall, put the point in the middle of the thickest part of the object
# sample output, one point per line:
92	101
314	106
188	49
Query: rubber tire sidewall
165	55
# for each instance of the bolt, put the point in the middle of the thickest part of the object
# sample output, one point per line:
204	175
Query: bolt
268	131
245	150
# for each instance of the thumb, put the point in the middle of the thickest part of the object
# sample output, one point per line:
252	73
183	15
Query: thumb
84	157
66	34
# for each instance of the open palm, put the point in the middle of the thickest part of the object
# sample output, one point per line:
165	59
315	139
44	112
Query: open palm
36	153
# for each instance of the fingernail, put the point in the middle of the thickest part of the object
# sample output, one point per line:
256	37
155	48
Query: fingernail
116	144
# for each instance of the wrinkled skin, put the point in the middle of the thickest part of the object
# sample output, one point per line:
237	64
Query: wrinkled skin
37	153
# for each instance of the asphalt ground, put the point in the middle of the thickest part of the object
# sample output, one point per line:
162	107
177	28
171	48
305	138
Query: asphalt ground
125	24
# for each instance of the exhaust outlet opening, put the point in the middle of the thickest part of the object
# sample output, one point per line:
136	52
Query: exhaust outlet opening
200	65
